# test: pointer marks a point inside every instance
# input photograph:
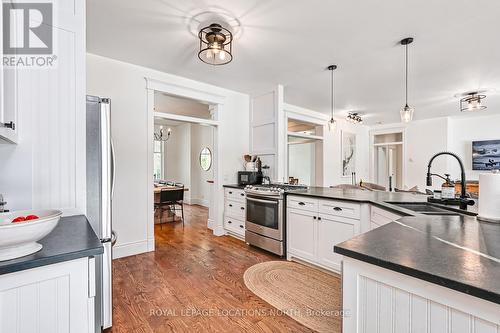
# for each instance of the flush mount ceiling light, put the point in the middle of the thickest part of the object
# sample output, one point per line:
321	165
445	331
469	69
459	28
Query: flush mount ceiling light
332	124
472	101
215	45
406	111
354	118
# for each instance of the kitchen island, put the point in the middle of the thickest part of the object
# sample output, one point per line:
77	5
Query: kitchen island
413	273
52	290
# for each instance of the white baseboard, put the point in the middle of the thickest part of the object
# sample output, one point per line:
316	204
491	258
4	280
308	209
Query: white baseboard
211	224
151	245
219	230
130	249
200	202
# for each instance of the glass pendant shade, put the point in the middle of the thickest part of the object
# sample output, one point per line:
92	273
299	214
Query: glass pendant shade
332	125
406	113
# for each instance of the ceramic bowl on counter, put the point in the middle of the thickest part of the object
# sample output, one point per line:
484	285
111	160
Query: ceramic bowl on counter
18	239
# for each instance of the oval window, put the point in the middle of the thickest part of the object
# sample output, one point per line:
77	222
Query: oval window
206	159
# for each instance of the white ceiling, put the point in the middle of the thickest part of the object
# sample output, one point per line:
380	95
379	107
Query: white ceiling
290	42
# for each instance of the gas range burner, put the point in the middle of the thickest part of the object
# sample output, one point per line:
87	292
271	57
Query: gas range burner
273	189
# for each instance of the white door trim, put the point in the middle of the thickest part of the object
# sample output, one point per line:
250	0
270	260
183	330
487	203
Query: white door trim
217	106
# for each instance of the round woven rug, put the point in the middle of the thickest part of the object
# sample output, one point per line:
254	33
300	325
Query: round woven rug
310	296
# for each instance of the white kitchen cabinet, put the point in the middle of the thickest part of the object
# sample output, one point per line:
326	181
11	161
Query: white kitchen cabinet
333	230
57	298
8	95
315	226
302	231
382	300
234	211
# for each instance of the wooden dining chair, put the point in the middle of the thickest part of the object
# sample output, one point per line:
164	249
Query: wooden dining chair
171	199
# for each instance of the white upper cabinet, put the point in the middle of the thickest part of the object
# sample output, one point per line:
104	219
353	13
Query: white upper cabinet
8	95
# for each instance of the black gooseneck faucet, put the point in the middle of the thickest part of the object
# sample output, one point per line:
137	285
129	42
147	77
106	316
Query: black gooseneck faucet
464	201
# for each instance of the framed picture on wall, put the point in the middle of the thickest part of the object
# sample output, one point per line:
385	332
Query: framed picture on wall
486	155
348	153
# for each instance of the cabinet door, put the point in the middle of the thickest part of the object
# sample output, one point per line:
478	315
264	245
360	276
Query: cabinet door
8	89
301	226
331	231
54	298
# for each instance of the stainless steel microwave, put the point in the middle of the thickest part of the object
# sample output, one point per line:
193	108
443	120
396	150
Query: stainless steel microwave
249	177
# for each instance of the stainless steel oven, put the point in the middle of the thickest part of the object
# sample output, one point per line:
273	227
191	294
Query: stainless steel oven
265	227
265	222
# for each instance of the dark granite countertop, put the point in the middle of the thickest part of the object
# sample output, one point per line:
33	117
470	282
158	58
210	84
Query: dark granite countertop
457	252
72	238
241	187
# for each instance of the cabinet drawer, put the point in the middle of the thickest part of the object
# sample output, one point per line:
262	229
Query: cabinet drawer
234	194
303	203
340	208
236	209
234	225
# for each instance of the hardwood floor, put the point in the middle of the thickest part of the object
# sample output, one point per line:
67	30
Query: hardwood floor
193	282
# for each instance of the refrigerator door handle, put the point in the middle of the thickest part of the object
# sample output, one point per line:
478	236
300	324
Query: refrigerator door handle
113	169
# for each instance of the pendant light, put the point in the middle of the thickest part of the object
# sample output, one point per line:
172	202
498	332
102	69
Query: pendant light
406	111
332	124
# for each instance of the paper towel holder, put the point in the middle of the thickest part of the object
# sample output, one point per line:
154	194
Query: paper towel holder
487	219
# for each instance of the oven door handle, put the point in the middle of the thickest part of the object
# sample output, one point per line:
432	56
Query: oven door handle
263	201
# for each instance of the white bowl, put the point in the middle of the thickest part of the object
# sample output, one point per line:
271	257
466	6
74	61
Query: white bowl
20	239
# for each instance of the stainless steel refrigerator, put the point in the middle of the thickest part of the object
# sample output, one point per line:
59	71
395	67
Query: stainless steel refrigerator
100	187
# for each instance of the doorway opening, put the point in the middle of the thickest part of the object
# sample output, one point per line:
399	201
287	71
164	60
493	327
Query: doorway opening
305	152
184	154
388	159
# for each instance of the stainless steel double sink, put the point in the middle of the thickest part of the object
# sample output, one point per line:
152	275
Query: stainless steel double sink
424	208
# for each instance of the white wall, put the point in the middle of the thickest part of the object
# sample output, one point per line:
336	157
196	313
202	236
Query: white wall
177	158
332	161
125	84
424	138
201	137
301	162
46	169
464	130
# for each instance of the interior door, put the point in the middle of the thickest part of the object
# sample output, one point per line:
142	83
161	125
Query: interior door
301	226
331	231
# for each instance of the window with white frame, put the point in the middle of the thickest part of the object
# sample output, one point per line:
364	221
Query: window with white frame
158	160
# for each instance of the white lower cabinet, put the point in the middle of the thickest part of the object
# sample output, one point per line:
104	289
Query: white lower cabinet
234	212
380	300
57	298
302	232
312	234
333	230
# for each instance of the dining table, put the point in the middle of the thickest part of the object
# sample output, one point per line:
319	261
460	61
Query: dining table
157	190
